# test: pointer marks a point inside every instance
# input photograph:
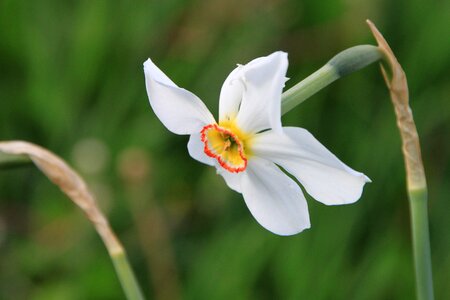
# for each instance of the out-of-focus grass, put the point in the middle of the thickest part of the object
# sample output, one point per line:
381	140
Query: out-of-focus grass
71	71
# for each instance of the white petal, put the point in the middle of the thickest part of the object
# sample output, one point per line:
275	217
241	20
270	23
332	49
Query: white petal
178	109
274	199
321	173
231	95
233	180
264	80
195	149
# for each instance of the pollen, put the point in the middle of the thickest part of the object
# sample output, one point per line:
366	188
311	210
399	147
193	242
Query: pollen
227	144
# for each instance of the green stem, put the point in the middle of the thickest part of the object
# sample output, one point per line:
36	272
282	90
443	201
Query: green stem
308	87
344	63
421	243
126	276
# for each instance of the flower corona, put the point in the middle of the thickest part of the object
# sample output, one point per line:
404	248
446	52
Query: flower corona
225	145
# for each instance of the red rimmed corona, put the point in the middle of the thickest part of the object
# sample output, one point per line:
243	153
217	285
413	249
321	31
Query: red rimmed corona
226	146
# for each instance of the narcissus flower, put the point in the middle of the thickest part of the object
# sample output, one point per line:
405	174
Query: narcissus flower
248	145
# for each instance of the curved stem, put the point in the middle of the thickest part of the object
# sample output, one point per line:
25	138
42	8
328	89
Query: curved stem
308	87
342	64
62	175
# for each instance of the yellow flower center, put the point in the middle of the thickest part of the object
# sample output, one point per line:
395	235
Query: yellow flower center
228	144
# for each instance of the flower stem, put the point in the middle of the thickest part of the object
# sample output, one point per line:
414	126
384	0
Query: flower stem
126	276
395	79
342	64
308	87
61	174
421	243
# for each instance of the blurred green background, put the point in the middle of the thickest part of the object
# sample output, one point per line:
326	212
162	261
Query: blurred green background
71	80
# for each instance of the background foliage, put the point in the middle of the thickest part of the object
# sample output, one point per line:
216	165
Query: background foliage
71	80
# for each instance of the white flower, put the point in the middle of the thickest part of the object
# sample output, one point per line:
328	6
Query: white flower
248	144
